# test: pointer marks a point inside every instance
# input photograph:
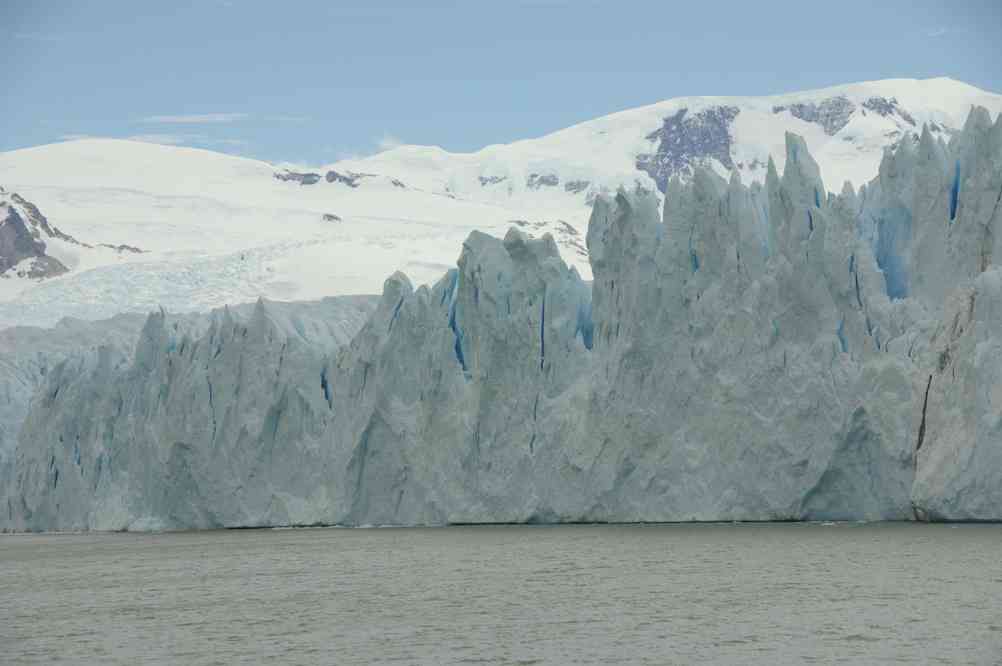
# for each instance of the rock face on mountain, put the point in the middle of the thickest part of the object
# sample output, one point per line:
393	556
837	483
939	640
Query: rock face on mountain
685	141
763	353
832	113
296	177
23	230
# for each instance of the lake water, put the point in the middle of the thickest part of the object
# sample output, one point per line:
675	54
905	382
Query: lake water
659	594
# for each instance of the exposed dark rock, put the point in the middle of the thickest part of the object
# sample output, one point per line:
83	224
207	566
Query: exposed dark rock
568	229
537	180
888	107
832	113
43	267
330	217
398	183
576	186
18	241
349	178
301	178
686	141
491	180
39	223
122	247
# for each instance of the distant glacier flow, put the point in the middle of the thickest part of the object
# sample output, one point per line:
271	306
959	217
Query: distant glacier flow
772	352
144	226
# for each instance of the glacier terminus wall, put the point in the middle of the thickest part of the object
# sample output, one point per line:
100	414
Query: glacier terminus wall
772	352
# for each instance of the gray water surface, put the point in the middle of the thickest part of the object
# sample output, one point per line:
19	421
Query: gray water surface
660	594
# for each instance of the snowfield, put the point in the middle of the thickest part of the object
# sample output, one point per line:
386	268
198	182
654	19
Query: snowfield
216	229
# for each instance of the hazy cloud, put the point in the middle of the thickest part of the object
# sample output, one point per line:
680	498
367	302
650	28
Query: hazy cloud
939	31
290	119
348	155
196	118
38	36
388	142
166	139
297	166
226	142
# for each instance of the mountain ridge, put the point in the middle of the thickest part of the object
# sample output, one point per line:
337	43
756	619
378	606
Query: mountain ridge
218	229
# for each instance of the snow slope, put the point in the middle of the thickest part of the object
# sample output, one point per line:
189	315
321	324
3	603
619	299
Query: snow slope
218	229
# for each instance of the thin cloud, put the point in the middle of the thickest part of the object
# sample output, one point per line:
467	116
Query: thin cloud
38	36
290	119
166	139
227	142
348	156
196	118
163	139
299	167
940	31
389	142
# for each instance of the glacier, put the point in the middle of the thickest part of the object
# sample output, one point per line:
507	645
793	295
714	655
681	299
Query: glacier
763	352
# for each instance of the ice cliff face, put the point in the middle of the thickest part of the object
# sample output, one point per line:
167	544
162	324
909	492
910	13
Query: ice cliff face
772	352
192	429
28	353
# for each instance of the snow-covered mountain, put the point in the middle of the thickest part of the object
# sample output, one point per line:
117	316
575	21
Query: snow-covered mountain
216	229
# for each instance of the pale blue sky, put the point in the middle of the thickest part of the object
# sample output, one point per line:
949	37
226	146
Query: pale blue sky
313	82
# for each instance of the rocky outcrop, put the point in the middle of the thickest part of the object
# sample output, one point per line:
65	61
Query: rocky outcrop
538	180
832	114
350	178
23	230
122	247
24	234
296	177
883	106
766	353
686	141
